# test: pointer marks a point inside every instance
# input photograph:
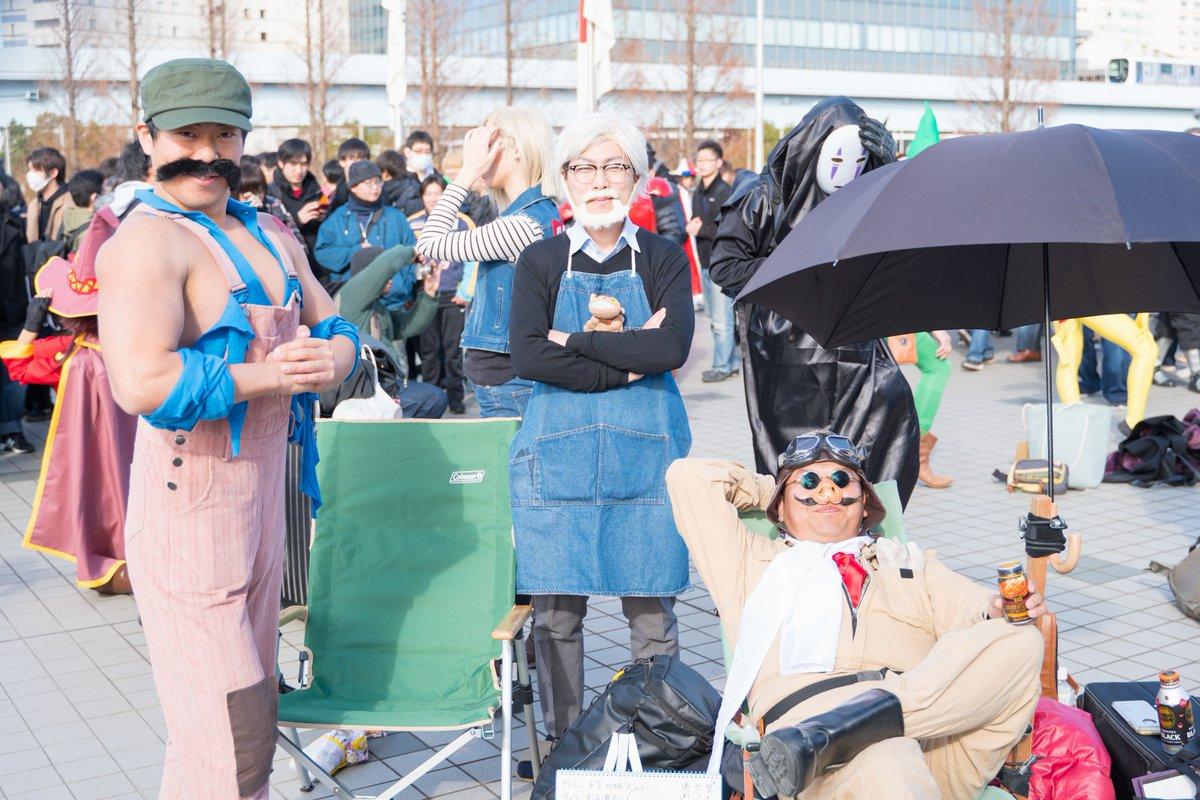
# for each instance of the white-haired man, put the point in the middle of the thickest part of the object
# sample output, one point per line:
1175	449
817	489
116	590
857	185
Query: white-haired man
590	510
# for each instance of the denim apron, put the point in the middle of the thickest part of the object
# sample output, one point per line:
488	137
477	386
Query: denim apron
587	470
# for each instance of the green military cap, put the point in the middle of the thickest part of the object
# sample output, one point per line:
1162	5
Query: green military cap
191	90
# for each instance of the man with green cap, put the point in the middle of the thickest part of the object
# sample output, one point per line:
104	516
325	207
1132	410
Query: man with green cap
216	333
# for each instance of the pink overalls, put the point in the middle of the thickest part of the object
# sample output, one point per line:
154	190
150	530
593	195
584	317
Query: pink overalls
204	539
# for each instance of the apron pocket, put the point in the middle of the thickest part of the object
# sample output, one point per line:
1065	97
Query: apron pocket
598	465
522	478
632	466
565	467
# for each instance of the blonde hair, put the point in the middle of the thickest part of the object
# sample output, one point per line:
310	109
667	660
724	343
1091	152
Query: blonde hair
453	156
528	133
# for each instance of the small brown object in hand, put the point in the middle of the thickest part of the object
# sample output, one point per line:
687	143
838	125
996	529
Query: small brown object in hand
607	314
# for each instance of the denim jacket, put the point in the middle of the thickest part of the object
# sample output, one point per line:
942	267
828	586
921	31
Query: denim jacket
487	323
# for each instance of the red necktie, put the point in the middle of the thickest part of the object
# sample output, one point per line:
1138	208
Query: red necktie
853	575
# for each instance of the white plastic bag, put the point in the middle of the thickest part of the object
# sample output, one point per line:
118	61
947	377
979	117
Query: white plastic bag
379	406
337	749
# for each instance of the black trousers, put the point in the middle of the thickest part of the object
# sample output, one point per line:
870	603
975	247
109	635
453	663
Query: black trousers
441	352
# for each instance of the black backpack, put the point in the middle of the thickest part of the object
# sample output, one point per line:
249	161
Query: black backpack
669	707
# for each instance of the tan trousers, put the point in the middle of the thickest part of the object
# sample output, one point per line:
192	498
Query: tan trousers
965	705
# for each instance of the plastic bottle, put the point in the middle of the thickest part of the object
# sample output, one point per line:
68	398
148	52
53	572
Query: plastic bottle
1066	693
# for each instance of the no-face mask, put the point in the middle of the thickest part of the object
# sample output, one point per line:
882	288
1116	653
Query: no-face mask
194	168
841	160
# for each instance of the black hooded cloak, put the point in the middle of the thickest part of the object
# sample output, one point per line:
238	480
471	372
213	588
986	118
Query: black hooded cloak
794	385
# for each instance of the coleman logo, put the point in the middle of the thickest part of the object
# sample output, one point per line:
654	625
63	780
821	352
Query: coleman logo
467	476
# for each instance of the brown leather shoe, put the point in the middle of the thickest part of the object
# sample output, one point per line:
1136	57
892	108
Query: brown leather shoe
1025	357
118	583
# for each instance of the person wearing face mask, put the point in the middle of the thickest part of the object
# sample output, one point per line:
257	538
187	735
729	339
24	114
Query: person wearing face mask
46	178
905	671
418	156
364	221
792	383
510	155
590	514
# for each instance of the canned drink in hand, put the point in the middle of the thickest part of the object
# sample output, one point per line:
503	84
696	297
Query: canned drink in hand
1014	588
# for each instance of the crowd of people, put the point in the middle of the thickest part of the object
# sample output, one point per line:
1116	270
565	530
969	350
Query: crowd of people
189	303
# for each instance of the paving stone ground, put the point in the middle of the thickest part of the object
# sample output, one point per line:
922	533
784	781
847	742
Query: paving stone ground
79	717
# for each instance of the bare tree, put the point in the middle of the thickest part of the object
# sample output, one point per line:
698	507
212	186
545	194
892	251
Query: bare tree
433	27
696	82
134	15
216	24
508	52
323	51
76	68
1015	72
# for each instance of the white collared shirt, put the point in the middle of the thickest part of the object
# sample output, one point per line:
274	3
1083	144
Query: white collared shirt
581	240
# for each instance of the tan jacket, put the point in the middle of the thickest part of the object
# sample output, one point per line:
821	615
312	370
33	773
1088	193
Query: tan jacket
898	618
55	223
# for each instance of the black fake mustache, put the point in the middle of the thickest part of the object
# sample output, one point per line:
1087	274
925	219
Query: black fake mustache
231	171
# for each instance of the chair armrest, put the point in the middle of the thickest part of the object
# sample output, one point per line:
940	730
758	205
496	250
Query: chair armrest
293	613
513	621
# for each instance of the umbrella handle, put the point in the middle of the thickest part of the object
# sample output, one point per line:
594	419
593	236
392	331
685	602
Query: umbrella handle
1065	562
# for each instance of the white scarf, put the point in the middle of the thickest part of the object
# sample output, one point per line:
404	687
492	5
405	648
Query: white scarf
800	593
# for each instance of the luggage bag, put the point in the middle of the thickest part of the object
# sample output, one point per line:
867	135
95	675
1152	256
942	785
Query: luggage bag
1132	755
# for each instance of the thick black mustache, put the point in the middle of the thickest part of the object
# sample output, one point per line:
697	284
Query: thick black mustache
845	501
194	168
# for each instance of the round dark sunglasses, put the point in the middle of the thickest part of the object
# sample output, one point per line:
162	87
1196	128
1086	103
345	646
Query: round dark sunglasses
811	480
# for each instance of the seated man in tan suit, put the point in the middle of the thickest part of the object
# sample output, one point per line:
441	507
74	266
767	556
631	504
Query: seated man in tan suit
877	671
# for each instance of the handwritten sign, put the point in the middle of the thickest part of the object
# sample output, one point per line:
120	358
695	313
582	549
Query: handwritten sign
595	785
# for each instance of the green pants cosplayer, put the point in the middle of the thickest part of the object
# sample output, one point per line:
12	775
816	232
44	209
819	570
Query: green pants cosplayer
934	374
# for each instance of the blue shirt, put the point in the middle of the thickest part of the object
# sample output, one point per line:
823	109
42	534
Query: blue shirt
582	240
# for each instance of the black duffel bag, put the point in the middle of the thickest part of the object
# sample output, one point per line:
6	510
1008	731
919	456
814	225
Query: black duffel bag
669	707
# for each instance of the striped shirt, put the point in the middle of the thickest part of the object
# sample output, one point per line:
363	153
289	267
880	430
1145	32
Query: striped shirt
502	239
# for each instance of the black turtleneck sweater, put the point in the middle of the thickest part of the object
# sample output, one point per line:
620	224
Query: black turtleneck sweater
596	361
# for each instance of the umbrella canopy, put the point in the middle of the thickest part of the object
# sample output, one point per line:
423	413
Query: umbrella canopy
954	238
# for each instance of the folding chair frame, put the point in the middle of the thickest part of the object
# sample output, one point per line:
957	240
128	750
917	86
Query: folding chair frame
507	632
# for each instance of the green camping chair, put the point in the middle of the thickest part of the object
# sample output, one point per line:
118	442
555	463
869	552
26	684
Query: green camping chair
410	593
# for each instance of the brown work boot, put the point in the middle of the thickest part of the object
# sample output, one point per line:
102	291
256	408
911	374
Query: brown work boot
118	583
1025	357
926	474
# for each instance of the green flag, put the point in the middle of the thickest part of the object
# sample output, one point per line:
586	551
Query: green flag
926	135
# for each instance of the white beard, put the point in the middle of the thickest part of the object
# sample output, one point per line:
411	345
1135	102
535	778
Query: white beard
615	216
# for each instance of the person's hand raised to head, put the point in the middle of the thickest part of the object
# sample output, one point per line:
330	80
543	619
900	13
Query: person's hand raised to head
481	148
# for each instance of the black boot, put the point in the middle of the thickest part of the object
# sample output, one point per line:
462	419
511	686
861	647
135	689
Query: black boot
789	760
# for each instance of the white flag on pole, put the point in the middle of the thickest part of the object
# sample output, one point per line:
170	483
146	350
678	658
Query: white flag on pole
597	36
397	82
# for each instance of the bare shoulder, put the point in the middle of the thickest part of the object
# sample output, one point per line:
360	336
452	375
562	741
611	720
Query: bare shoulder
142	243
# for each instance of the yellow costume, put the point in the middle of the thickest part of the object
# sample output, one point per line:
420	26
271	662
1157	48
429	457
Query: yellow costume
1132	336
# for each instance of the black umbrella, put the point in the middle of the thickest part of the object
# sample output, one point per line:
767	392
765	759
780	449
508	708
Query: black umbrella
995	231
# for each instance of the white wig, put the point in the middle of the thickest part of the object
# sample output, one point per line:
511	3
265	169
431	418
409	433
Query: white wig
587	129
